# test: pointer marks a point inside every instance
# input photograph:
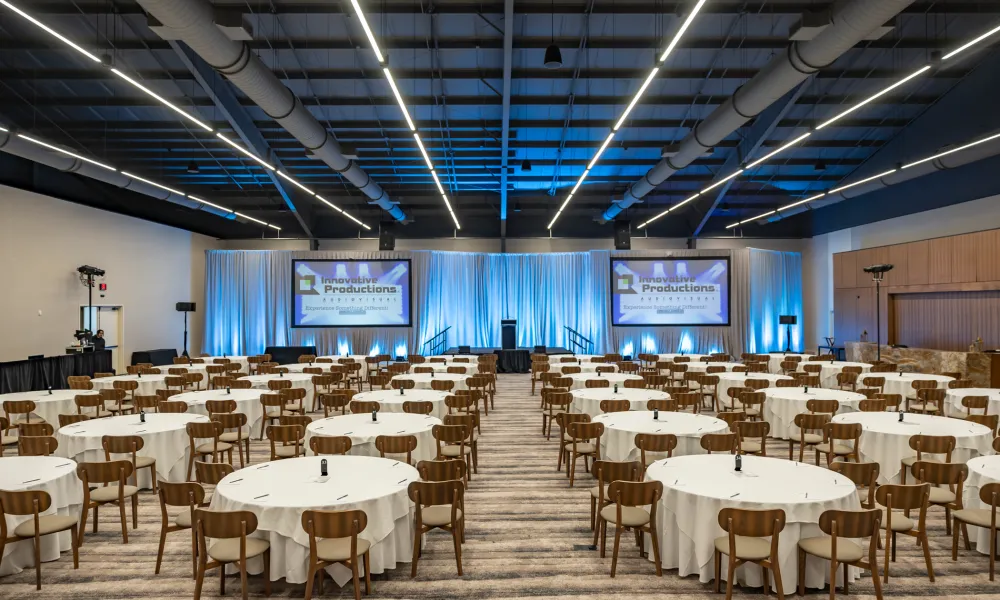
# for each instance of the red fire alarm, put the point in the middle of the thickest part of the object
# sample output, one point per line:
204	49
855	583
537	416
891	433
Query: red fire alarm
104	287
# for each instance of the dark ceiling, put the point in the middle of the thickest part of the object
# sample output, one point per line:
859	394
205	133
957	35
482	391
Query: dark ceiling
448	59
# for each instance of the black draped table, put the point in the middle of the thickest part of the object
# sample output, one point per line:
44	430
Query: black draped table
513	361
40	373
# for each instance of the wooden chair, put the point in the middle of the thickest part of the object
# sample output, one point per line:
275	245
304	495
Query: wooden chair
231	543
626	510
334	445
471	423
873	405
334	401
65	420
130	445
833	446
822	407
215	447
293	400
613	406
750	432
843	526
657	445
453	441
605	472
442	385
272	406
585	441
334	539
863	475
173	406
990	421
537	368
37	428
362	407
34	503
743	543
873	381
989	495
439	505
145	403
928	444
396	444
286	441
79	382
115	472
419	407
947	481
216	407
687	400
422	370
811	428
406	384
116	398
905	497
235	432
971	403
20	411
554	402
892	400
190	495
958	384
929	401
720	442
563	420
753	404
211	474
165	395
662	405
36	445
441	470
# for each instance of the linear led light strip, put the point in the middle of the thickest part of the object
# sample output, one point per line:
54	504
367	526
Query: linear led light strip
55	148
402	106
165	103
836	118
872	178
635	100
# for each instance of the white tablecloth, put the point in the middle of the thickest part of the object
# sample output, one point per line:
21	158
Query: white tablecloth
829	370
148	384
696	488
887	441
299	380
728	380
618	441
588	367
363	431
422	381
580	379
701	367
358	358
473	359
164	435
582	358
903	384
470	368
776	358
241	360
51	474
50	406
670	357
247	402
953	401
279	492
982	470
588	400
392	402
783	404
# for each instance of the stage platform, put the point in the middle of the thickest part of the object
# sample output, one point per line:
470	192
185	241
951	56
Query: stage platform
510	361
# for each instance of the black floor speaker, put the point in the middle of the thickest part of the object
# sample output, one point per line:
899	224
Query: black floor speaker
623	235
386	237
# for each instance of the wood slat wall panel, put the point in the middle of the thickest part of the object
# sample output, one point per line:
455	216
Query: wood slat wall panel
897	256
865	311
963	259
988	255
939	260
849	269
946	320
863	258
838	275
916	260
844	316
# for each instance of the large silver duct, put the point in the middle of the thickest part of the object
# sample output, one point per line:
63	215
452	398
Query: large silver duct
10	143
193	22
951	161
851	22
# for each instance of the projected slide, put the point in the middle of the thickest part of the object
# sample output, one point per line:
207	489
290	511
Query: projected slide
670	291
351	293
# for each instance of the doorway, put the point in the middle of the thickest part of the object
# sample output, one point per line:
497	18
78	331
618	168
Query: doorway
110	318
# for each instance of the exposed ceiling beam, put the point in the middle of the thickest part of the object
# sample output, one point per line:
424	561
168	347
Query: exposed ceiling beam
762	128
508	60
223	98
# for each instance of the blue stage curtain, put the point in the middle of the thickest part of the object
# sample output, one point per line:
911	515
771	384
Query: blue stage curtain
248	295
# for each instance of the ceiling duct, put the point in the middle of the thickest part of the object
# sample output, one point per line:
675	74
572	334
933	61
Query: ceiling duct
851	21
192	21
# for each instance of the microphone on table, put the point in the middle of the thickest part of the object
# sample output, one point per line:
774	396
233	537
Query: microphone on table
322	468
50	390
739	462
805	389
656	414
901	415
142	416
139	374
374	416
229	390
400	390
616	388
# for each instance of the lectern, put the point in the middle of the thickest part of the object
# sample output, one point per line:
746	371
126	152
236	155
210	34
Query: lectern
508	330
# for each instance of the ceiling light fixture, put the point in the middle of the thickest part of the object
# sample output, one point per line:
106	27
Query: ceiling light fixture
423	151
399	98
968	45
50	31
680	32
206	202
295	182
952	151
193	168
779	150
248	217
553	57
601	150
154	184
66	152
526	165
162	100
245	152
916	73
810	199
635	99
866	180
368	31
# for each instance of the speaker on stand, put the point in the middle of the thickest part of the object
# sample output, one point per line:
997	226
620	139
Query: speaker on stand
386	236
623	235
185	307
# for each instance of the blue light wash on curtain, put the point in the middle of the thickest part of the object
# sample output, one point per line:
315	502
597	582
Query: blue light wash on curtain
775	290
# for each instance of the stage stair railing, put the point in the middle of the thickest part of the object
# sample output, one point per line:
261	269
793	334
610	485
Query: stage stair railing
578	343
436	344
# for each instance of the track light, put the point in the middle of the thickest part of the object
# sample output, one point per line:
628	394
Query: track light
245	152
154	184
193	168
295	182
162	100
50	31
553	57
66	152
526	165
368	31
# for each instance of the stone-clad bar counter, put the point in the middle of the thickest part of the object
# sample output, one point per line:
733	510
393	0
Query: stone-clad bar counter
983	369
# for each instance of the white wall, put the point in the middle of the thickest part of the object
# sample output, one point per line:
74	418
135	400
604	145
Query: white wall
149	268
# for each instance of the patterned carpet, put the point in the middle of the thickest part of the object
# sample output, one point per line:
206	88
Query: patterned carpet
527	535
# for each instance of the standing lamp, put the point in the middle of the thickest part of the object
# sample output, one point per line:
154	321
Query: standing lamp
878	273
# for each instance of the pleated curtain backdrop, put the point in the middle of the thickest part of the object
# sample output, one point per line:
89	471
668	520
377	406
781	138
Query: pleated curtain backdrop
248	302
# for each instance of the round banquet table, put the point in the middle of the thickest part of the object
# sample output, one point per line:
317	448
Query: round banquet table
584	367
830	368
588	400
51	474
580	379
776	358
982	470
887	441
620	428
392	402
358	358
696	488
148	384
299	380
247	402
50	406
472	358
783	404
470	368
670	357
164	435
241	360
728	380
279	492
422	381
701	367
953	400
903	384
363	431
582	358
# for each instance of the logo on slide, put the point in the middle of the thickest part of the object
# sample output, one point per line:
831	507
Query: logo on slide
625	283
306	283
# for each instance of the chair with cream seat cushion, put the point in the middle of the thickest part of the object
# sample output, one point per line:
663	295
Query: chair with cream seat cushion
840	440
906	498
130	445
585	441
626	509
743	543
472	424
654	446
842	527
229	532
947	480
34	503
863	475
438	505
811	427
606	471
453	442
201	430
986	518
113	475
938	446
211	474
753	436
190	495
333	539
286	441
234	432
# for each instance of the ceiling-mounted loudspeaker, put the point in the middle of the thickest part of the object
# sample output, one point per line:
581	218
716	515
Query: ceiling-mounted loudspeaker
623	235
386	237
553	57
